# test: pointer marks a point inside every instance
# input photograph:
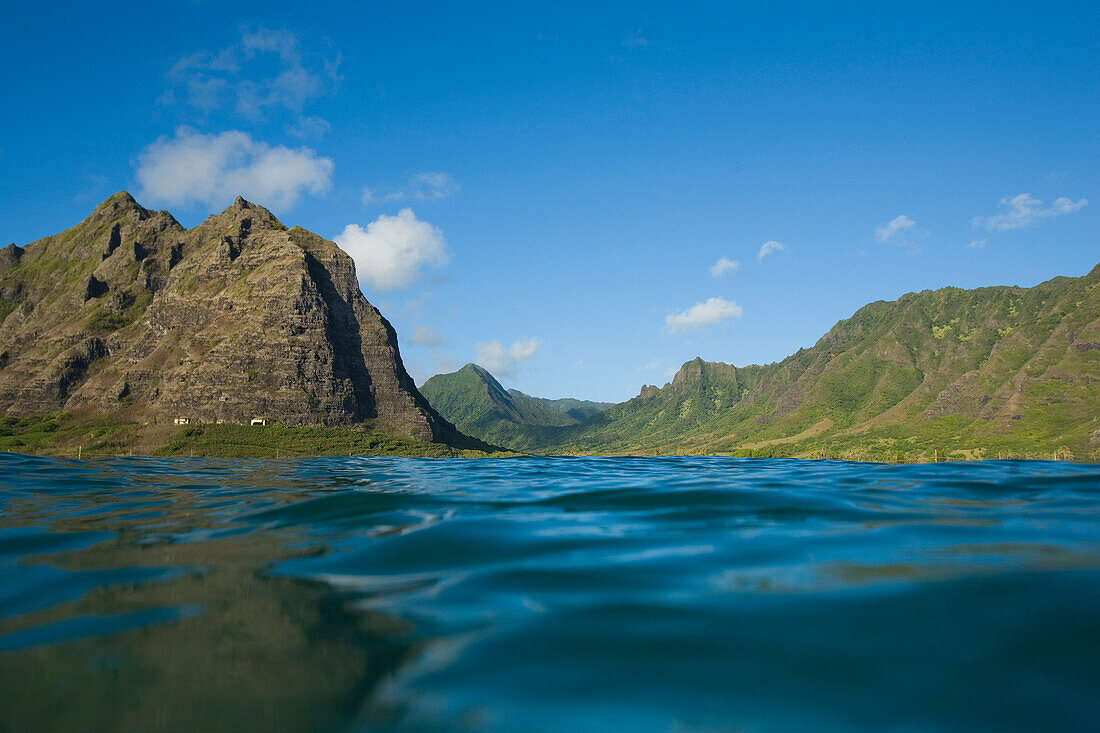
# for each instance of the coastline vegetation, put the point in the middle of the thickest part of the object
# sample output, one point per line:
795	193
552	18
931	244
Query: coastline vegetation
63	435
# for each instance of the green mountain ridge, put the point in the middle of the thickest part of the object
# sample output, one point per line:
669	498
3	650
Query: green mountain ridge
477	404
951	372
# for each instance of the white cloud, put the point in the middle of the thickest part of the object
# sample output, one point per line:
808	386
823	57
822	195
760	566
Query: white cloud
1023	210
282	42
713	310
635	39
427	336
502	361
389	252
430	186
891	230
309	127
216	168
977	244
770	247
266	69
722	266
649	366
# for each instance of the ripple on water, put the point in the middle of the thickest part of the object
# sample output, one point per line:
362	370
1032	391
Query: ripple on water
549	594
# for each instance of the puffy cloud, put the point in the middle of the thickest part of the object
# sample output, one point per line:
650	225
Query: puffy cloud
430	186
891	230
388	254
266	69
713	310
502	361
977	244
1024	209
216	168
770	247
427	336
722	266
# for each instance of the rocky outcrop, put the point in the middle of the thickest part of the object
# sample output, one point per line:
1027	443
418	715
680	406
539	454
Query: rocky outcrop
236	318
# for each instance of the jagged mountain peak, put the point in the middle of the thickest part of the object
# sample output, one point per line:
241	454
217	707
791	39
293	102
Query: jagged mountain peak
697	371
242	217
117	202
480	371
121	209
128	311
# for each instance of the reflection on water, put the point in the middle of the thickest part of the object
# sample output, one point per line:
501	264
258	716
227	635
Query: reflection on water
678	594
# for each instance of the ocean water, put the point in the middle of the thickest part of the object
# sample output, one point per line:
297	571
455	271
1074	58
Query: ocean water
548	594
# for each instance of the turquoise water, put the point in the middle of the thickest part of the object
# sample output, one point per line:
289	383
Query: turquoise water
543	594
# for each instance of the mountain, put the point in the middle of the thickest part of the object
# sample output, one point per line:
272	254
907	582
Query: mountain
1006	370
579	410
477	404
128	313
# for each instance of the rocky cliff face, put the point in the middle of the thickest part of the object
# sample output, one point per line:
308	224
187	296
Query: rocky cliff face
237	318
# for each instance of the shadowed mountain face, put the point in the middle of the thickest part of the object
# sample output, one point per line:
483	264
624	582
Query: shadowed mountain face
237	318
977	372
476	402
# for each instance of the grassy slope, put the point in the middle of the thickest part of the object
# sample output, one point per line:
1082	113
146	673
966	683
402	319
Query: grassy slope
954	372
104	436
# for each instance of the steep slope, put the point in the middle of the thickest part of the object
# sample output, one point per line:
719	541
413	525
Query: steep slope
240	317
999	368
477	404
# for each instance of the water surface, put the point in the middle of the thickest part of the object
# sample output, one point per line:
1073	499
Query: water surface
548	594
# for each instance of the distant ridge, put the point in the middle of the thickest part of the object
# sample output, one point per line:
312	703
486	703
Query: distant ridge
992	371
579	410
477	404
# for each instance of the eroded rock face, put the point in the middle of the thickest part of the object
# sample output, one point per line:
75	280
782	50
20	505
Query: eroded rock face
237	318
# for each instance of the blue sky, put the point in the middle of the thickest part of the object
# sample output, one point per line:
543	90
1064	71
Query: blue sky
573	176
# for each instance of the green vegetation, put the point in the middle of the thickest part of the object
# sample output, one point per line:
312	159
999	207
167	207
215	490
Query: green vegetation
107	436
129	308
478	405
945	374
